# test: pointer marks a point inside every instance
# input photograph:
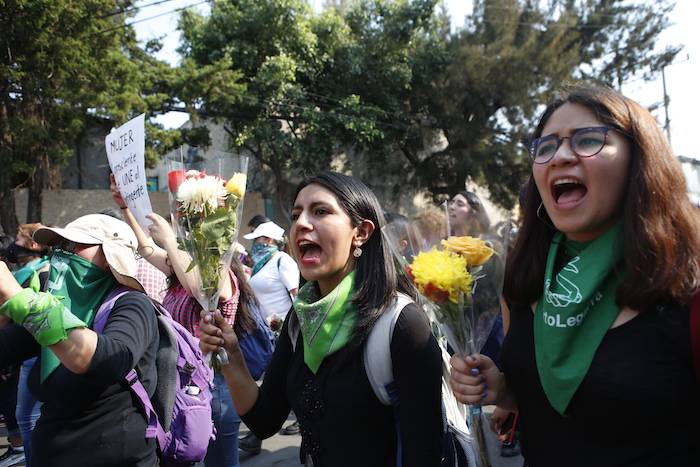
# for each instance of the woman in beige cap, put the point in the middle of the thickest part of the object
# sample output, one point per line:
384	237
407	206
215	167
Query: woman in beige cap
89	417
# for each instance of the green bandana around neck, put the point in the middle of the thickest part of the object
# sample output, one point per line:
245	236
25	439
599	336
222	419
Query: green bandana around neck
260	254
575	311
25	272
326	323
82	287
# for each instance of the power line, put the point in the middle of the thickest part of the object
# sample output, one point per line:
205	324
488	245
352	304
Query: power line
134	8
167	12
122	26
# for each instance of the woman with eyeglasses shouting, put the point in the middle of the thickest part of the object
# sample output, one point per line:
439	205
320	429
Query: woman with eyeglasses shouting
598	359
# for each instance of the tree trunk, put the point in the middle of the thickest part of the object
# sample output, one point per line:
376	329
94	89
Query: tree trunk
281	194
35	199
8	214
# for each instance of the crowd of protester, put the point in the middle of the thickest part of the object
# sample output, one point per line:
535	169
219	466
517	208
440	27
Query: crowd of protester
608	245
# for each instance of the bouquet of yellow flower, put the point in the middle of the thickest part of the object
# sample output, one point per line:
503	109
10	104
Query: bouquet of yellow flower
458	269
443	277
206	200
460	276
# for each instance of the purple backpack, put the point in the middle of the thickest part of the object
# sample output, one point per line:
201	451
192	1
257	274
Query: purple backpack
179	413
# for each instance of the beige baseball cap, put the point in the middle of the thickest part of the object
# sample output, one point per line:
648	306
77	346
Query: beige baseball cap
116	237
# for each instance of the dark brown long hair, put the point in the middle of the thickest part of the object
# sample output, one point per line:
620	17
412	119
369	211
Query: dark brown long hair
661	224
377	277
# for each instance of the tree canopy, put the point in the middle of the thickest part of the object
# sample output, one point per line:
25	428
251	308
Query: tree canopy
71	65
390	81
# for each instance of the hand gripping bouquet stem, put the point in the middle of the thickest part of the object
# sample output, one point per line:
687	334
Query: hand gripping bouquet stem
206	203
457	266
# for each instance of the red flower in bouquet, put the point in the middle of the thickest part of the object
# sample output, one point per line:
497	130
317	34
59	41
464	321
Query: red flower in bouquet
275	321
435	294
175	178
205	209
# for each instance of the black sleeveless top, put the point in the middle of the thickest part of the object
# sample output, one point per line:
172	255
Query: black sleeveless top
638	405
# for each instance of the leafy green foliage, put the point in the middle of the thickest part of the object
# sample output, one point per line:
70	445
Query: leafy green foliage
383	79
69	65
389	81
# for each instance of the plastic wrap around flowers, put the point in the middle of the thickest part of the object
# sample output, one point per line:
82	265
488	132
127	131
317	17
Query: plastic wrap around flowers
445	278
206	210
206	200
444	275
458	268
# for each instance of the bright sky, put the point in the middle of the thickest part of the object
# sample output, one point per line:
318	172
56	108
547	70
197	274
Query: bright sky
681	77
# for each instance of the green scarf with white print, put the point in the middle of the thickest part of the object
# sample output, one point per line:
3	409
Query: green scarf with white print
326	322
575	311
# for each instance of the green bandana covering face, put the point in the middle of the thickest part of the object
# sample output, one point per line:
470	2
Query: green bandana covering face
261	253
575	312
82	287
326	323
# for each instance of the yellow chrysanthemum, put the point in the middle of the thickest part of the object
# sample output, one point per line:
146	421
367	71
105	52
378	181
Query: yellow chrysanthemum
440	275
474	250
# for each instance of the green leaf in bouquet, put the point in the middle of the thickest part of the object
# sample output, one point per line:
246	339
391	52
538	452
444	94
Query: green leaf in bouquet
232	201
223	243
233	222
184	244
215	224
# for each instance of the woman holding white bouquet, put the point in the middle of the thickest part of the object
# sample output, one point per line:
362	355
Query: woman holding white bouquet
235	304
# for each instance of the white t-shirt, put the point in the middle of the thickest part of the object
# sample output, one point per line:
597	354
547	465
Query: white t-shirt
273	282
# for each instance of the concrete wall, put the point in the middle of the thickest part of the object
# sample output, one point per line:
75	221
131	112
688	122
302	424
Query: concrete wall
89	170
63	206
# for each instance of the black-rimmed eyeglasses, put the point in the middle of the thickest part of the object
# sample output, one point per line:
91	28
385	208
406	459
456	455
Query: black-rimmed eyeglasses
586	142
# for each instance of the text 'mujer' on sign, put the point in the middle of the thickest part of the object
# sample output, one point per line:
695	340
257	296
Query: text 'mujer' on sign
126	147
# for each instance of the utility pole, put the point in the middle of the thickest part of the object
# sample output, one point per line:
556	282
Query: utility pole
667	126
667	100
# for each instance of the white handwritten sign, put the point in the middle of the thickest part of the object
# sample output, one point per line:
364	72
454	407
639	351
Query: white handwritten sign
126	147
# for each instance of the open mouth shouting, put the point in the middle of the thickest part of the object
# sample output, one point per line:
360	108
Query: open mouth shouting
309	251
568	191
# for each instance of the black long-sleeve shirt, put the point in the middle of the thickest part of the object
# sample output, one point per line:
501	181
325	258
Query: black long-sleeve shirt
638	404
342	421
92	419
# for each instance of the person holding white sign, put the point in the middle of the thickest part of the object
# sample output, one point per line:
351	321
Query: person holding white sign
126	150
235	303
